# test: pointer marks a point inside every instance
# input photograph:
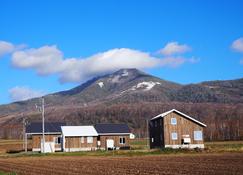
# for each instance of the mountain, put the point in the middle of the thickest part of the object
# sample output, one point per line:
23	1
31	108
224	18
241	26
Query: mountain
124	89
132	85
125	85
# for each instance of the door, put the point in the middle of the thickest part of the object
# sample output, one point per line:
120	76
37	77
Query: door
49	147
110	144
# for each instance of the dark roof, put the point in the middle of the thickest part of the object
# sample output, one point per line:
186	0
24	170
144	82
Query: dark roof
112	128
49	127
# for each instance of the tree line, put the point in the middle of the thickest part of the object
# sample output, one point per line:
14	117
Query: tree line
224	121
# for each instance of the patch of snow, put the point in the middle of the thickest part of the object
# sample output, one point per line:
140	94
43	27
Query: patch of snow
211	87
125	73
146	85
101	84
115	79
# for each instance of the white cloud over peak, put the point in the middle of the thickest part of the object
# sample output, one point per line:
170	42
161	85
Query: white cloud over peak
172	48
237	45
48	60
105	62
20	93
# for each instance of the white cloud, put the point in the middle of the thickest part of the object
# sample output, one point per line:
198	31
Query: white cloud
49	59
6	47
20	93
241	61
176	61
172	48
237	45
45	60
105	62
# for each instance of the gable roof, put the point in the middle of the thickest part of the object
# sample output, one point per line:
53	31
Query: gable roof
78	131
50	127
109	129
182	114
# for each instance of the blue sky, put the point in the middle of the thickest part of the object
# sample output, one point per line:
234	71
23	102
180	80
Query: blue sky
44	42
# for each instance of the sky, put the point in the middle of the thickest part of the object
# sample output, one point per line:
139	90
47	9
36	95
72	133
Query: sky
49	46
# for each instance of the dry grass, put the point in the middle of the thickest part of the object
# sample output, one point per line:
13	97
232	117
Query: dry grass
6	145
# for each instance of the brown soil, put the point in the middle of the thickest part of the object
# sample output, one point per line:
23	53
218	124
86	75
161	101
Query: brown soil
162	164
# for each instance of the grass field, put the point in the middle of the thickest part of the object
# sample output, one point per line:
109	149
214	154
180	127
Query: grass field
7	173
217	158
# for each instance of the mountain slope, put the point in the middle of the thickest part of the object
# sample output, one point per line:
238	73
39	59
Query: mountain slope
119	86
131	96
133	86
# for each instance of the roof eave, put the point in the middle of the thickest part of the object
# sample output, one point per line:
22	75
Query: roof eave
174	110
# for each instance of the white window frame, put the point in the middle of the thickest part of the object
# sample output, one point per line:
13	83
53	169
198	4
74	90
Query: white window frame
122	140
90	139
82	139
174	136
56	140
198	135
173	121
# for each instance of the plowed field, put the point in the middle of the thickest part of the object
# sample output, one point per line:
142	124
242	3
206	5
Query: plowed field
223	163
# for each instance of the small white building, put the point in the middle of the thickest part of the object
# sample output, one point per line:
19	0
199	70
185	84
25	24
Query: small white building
79	138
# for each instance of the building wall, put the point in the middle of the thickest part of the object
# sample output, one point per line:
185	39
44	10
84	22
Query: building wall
75	142
156	131
36	141
184	126
116	139
161	129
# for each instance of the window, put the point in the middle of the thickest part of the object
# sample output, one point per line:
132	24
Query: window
57	140
89	139
198	135
82	139
174	136
173	121
122	140
152	140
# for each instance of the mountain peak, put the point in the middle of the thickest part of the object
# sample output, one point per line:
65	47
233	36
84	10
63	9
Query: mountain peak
128	72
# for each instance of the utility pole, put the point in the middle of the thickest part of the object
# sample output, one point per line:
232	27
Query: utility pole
25	144
147	129
43	124
23	131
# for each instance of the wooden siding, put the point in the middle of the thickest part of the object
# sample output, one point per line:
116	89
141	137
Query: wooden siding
75	142
116	139
36	140
160	130
184	126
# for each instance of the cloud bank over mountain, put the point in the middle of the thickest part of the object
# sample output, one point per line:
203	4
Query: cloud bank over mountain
48	60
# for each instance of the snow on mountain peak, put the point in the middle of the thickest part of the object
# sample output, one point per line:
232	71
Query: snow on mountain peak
146	85
125	73
101	84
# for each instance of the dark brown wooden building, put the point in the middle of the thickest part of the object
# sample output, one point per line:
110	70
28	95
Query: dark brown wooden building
113	136
175	129
53	136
